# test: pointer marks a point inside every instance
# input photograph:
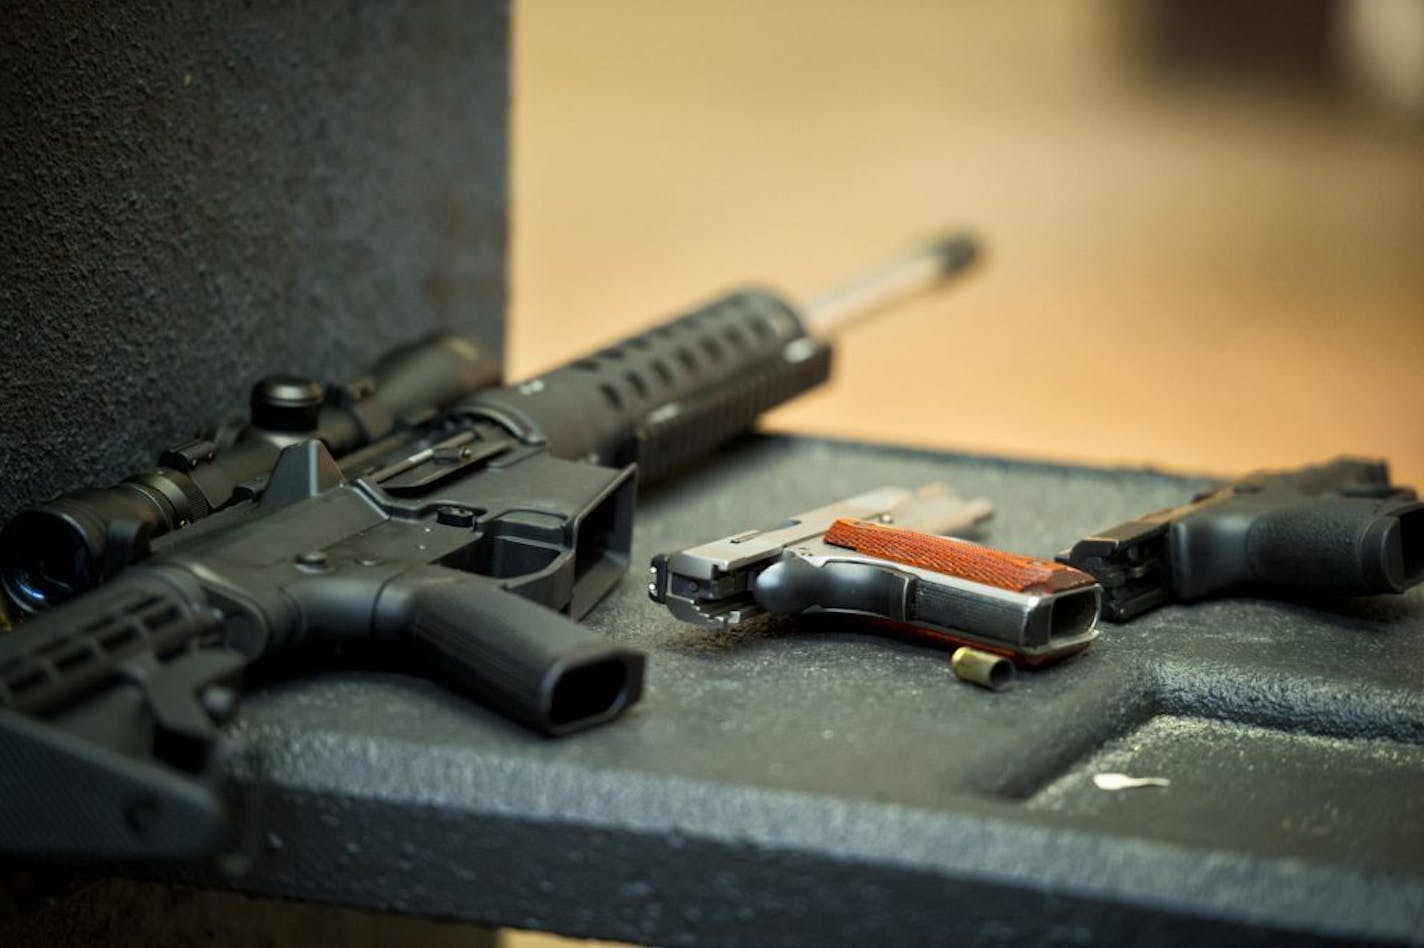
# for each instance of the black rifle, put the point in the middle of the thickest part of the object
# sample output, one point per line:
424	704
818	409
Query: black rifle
71	544
474	540
1332	529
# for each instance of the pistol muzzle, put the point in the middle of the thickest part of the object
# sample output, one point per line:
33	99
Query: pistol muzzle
1130	562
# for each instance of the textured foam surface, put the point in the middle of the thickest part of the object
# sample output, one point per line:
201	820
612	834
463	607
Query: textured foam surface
196	195
818	785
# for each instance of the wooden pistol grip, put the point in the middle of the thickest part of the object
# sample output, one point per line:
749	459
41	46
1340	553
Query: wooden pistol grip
960	558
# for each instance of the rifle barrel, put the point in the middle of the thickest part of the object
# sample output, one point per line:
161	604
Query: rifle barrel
927	266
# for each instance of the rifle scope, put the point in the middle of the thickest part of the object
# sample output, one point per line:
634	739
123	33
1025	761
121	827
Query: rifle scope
76	541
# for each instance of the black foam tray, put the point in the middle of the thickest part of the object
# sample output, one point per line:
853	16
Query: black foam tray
800	786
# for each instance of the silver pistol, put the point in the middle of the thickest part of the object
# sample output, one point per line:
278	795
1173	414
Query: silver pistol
878	555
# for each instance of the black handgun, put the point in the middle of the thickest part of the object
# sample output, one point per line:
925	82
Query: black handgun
1339	528
475	539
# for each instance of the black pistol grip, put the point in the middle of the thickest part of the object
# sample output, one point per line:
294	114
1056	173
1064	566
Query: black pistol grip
1332	545
528	661
1340	546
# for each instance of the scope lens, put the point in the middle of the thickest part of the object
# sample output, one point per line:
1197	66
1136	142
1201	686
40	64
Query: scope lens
44	559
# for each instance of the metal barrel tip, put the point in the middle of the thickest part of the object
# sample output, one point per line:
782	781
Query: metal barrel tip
956	251
924	267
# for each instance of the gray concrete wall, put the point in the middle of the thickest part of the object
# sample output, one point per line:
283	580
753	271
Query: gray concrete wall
193	195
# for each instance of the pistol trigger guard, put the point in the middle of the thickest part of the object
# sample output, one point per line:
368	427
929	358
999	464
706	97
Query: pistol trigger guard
794	585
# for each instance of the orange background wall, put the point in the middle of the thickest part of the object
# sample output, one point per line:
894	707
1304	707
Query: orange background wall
1200	275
